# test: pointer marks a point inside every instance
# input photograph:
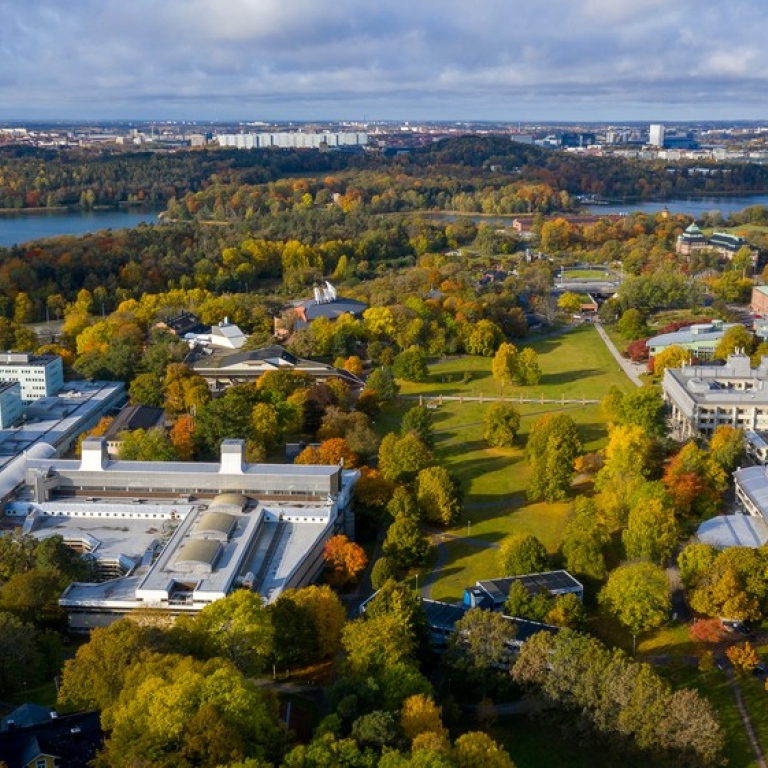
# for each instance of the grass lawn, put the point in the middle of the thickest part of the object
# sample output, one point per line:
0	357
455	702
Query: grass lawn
533	744
575	364
586	274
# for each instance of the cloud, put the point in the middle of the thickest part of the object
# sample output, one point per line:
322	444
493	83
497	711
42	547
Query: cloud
440	59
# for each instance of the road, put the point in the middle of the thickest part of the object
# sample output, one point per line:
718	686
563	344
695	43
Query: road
630	368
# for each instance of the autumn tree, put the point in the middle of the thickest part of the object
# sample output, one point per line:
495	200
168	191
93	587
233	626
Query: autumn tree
695	482
735	338
743	657
181	436
345	559
504	366
476	748
673	356
569	302
726	447
438	495
184	389
484	338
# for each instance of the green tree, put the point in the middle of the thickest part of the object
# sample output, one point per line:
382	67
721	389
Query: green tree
637	594
522	553
401	458
480	643
501	423
419	420
377	643
632	325
146	389
652	531
238	628
405	545
382	382
145	445
553	445
411	365
175	710
20	659
644	407
584	539
94	678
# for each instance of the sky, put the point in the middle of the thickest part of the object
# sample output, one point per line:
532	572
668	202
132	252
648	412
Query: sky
499	60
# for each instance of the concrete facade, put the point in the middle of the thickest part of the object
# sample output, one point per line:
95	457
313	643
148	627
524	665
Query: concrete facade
702	397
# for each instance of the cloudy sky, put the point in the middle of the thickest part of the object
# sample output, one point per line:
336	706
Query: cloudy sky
510	60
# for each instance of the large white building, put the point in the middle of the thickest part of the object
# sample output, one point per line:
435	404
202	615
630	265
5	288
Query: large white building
39	375
177	536
703	397
293	140
656	135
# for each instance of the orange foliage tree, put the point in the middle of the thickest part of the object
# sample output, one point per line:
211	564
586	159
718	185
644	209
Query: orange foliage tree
346	559
181	437
743	657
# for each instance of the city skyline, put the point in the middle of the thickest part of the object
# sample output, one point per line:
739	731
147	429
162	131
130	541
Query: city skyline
594	60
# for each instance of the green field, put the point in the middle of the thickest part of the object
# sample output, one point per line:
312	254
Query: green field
586	274
574	365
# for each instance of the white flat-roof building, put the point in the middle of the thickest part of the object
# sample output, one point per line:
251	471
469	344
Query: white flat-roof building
179	535
39	375
702	397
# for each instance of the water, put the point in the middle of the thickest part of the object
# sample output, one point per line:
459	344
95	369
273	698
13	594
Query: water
22	227
690	206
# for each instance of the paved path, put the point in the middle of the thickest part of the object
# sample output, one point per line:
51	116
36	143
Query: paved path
745	718
626	366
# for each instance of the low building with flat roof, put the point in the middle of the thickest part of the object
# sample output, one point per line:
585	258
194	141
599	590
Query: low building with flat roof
703	397
700	339
222	369
738	530
177	536
493	593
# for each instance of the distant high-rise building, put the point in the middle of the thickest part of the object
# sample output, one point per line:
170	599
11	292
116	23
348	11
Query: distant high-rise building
656	138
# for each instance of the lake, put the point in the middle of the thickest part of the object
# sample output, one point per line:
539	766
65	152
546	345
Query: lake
23	227
691	206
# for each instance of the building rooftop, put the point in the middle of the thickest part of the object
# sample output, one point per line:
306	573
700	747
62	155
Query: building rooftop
733	531
700	332
549	581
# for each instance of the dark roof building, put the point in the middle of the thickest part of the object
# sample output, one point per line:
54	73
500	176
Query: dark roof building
493	593
69	741
182	324
442	618
223	369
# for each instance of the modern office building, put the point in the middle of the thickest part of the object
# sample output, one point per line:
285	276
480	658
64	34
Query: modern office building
702	397
700	339
177	536
11	406
656	135
39	375
293	140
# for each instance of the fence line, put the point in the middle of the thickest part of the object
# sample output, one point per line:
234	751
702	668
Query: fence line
437	400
